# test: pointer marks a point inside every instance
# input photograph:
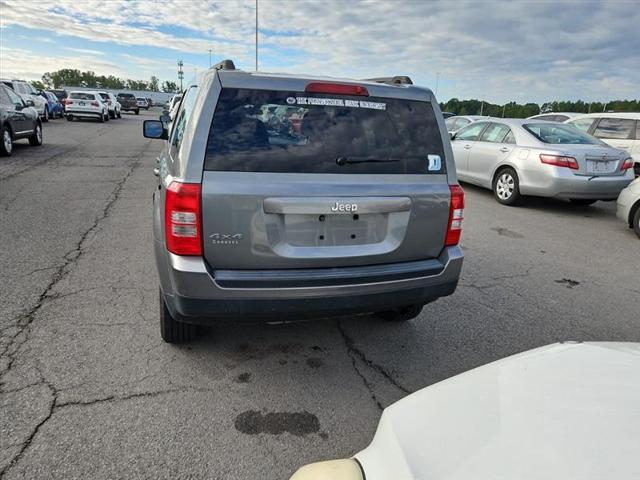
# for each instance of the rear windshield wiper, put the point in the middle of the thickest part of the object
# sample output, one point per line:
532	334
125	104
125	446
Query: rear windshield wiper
346	160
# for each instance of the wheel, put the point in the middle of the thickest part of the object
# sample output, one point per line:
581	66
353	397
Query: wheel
112	115
119	113
582	201
45	117
401	314
171	330
138	111
35	140
69	118
506	187
636	222
106	116
101	118
6	147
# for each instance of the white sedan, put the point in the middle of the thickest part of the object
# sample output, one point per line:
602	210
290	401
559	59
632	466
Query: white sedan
565	411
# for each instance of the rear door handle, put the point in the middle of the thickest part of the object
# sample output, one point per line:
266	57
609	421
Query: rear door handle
505	149
156	172
467	146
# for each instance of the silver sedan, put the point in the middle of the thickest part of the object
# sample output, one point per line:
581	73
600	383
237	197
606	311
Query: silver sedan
530	157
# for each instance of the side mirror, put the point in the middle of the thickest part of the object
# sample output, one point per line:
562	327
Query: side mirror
154	129
452	135
30	103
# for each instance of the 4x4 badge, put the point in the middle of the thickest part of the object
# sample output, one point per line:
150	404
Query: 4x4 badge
225	239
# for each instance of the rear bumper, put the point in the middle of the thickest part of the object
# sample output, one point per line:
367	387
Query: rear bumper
80	113
194	295
562	183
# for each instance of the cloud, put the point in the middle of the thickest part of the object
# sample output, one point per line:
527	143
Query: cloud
519	50
86	51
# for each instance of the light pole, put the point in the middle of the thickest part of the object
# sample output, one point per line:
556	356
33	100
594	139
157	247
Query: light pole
256	35
482	106
209	58
180	72
437	81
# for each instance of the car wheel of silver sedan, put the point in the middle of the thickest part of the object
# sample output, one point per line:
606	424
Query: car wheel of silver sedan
636	222
506	187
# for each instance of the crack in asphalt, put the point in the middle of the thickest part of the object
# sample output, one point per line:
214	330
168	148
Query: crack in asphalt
54	407
355	353
62	270
24	322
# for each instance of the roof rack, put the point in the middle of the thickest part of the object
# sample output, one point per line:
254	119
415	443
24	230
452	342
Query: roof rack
397	80
224	65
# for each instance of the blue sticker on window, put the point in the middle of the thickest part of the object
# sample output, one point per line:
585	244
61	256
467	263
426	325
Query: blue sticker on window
435	164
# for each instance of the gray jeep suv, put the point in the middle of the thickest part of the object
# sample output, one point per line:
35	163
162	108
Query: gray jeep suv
286	197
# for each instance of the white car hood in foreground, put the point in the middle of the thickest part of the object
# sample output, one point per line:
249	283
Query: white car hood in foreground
565	411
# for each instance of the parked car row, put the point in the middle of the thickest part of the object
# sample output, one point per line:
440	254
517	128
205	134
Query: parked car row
23	109
515	158
18	120
618	129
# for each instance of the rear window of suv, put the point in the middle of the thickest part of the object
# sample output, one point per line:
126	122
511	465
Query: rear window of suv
275	131
82	96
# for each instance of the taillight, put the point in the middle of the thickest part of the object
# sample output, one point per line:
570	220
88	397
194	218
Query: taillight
627	164
108	102
456	214
559	161
336	88
68	101
183	219
95	103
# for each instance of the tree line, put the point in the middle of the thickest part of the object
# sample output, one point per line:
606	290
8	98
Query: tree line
516	110
76	78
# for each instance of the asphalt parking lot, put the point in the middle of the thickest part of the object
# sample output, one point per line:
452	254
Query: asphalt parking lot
89	390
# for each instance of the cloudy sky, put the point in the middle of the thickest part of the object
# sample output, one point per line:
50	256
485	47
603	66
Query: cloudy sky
522	50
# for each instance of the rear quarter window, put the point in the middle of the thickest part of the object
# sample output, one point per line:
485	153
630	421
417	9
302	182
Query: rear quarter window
294	132
616	128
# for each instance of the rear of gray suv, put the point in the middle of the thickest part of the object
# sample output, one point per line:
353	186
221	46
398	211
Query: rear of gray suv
286	197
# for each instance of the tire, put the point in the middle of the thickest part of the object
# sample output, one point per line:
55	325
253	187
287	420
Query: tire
402	314
506	187
119	113
106	116
112	115
6	142
636	222
138	112
101	118
69	118
35	140
585	202
171	330
45	117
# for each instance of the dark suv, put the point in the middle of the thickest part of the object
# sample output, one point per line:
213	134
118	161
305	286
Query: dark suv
284	197
128	103
17	120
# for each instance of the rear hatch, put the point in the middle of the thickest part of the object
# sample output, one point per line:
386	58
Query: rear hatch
312	179
82	102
